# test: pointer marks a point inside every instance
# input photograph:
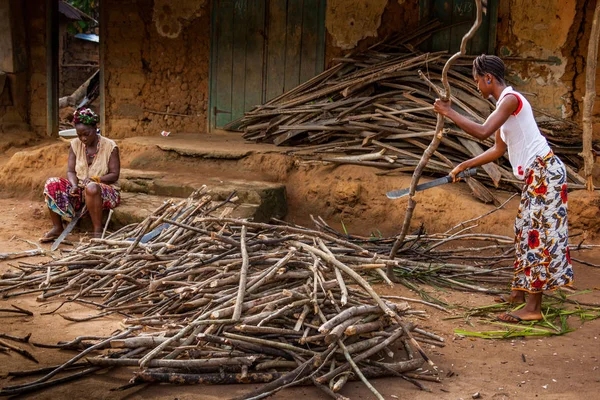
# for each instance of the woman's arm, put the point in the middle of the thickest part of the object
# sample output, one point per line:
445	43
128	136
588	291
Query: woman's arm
491	154
491	124
114	168
71	174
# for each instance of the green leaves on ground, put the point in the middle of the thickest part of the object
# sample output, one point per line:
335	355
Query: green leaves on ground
556	313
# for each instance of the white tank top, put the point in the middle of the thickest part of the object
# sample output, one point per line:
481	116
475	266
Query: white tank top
521	135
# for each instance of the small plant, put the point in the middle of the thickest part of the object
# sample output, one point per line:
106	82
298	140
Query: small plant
344	227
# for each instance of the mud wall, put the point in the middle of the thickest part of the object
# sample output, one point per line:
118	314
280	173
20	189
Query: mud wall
556	34
354	25
539	30
13	67
574	77
157	57
156	81
35	12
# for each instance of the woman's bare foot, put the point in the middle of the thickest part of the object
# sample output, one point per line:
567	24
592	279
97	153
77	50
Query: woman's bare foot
97	234
51	235
515	297
532	311
520	315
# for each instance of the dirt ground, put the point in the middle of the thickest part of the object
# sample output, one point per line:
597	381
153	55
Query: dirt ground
561	367
564	367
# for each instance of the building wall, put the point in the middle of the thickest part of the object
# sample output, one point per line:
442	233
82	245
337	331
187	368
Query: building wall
523	33
13	65
555	30
35	12
157	59
354	25
156	81
157	56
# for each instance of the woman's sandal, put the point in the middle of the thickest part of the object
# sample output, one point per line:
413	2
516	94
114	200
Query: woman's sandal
508	317
514	319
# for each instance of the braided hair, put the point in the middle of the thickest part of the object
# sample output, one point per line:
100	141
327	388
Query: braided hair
492	65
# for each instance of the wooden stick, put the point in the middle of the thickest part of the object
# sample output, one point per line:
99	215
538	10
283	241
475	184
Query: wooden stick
24	339
243	276
17	310
46	377
185	364
203	379
19	350
358	372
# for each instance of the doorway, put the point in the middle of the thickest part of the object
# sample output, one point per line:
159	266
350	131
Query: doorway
74	65
457	16
261	49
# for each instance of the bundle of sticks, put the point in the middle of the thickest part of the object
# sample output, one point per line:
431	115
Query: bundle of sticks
212	299
373	109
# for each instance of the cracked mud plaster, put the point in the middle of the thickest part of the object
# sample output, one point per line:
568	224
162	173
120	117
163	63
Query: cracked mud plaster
349	21
539	30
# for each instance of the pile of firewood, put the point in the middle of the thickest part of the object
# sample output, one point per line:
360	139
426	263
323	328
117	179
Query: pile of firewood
373	109
211	299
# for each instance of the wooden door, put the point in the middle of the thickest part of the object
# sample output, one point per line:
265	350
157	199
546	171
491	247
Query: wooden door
259	50
458	17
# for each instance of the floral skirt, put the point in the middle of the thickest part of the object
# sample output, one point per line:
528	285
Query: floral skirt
56	192
542	260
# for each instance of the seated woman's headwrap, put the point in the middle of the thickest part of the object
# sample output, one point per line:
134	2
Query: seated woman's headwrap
85	116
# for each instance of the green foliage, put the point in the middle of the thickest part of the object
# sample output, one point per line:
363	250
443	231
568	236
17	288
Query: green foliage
344	227
554	322
89	7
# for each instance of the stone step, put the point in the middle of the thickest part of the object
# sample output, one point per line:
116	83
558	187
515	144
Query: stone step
135	207
266	199
215	146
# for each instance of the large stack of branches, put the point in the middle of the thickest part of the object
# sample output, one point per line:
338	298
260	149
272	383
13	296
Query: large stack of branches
211	299
373	109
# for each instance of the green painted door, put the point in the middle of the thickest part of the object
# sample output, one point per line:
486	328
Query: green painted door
457	16
259	50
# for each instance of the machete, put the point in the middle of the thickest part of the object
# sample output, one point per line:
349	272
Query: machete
69	227
396	194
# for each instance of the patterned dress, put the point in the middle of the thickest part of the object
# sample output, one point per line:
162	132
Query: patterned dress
56	192
542	260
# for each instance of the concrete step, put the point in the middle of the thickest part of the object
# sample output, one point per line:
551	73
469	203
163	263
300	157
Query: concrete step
258	200
135	207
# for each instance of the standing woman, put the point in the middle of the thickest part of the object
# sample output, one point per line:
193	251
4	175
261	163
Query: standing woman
92	173
541	233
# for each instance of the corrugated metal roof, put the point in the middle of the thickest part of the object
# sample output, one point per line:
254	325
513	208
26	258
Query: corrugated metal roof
73	13
89	37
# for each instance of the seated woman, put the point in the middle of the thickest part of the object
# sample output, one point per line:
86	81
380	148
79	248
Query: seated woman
92	173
